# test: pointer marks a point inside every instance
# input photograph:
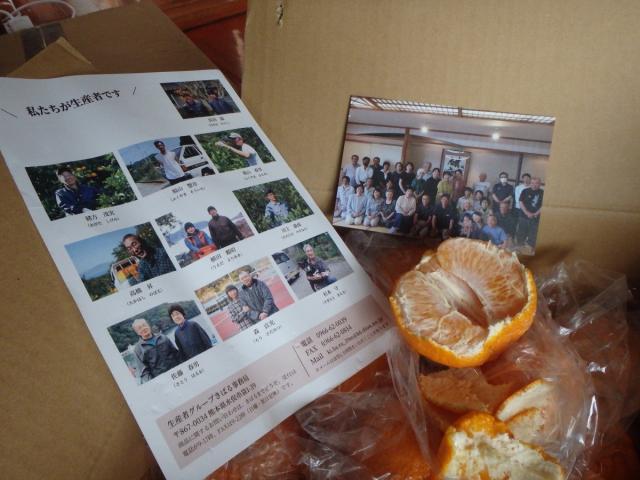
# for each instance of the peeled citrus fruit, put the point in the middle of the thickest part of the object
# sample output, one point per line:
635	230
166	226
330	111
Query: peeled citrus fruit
478	446
464	303
461	390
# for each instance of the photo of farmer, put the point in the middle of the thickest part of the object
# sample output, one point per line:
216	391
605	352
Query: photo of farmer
201	232
80	187
160	163
161	338
244	297
201	98
235	149
118	260
312	265
272	204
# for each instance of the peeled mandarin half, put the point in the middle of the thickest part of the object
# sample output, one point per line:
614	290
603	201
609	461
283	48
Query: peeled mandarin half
480	447
464	303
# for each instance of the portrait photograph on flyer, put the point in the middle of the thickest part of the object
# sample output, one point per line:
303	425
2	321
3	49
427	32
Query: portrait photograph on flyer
272	204
80	187
202	231
311	265
118	260
161	338
244	297
159	163
431	172
200	98
235	149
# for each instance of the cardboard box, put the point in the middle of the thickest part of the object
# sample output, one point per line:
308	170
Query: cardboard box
63	415
576	61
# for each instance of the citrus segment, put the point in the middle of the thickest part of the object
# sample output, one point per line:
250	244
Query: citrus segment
479	447
529	425
538	394
464	303
461	390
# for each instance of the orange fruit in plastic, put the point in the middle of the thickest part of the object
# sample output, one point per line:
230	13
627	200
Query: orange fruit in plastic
464	303
480	447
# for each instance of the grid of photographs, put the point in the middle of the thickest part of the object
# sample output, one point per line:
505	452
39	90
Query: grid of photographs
432	173
160	338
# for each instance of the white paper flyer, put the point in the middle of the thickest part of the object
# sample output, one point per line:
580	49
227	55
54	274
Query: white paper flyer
219	295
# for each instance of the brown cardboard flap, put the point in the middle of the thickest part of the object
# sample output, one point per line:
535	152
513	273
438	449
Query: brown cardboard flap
56	60
575	60
64	416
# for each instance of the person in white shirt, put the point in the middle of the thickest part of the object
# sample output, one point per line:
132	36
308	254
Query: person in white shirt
405	208
364	171
169	161
356	207
482	185
350	170
241	148
526	183
345	190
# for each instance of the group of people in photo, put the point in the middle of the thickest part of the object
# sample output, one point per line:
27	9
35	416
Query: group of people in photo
193	105
430	203
155	351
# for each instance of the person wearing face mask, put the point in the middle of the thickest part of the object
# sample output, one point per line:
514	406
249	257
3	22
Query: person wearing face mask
502	192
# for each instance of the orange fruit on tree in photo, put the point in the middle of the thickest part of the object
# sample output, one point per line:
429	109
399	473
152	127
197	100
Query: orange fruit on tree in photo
480	447
464	303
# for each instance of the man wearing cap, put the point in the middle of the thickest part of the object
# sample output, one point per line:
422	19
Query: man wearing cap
241	148
223	231
275	212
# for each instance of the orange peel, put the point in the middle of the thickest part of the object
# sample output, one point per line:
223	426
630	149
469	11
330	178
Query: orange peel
465	303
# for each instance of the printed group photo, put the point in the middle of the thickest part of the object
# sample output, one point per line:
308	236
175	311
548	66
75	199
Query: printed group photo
201	98
272	204
210	227
311	265
235	149
244	297
80	187
157	164
118	260
161	338
434	171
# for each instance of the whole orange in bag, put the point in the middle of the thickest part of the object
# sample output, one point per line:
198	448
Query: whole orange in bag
464	303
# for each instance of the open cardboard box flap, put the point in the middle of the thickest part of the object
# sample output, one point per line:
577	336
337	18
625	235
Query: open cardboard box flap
576	61
64	416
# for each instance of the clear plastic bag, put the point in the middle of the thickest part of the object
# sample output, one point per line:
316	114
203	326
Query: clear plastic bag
377	425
